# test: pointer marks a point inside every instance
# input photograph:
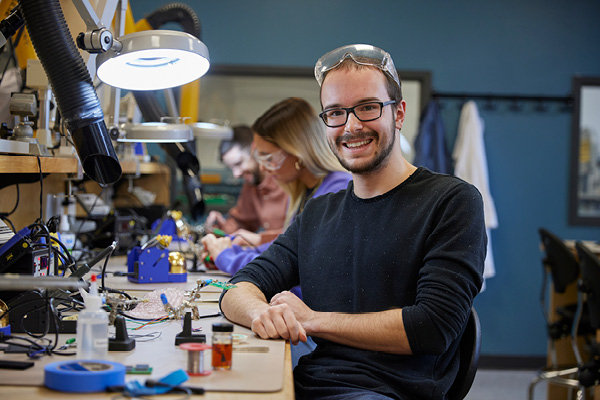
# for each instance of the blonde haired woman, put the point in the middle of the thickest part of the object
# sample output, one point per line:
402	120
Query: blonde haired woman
290	144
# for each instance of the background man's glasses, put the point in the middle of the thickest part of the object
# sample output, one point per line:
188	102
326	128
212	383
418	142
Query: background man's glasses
365	112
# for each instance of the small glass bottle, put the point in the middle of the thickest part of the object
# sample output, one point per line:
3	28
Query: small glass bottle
222	346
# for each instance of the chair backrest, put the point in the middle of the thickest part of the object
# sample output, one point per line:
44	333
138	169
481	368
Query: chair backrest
469	348
590	278
563	264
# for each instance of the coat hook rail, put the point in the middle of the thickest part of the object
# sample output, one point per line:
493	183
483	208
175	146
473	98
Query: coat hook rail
566	101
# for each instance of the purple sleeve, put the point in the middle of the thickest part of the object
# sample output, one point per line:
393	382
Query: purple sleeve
233	259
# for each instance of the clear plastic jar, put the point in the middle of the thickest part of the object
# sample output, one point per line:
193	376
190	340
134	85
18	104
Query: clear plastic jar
222	346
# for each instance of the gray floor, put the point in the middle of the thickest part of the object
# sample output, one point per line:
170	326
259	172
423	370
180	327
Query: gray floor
504	385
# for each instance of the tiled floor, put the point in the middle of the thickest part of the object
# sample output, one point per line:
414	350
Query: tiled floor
504	385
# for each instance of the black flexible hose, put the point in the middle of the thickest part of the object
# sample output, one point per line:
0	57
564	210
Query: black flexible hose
176	12
73	88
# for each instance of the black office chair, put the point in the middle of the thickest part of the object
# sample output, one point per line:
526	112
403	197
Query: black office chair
469	348
559	262
588	294
562	265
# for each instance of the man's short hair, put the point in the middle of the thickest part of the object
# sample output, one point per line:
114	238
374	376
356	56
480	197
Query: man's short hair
242	136
394	91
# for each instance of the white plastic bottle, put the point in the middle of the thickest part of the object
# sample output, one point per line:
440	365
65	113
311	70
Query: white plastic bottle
66	236
92	327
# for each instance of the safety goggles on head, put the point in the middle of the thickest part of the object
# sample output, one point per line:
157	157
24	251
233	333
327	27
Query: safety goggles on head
363	54
272	161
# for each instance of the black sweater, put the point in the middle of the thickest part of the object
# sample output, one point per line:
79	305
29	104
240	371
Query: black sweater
419	247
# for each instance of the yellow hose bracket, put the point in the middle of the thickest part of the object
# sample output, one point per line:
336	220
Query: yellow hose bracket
190	94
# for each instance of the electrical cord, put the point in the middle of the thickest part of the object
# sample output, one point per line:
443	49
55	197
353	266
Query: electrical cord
51	239
4	338
41	187
146	337
104	266
109	290
37	350
87	217
136	318
186	389
20	304
35	353
120	273
52	312
8	214
55	320
24	303
17	40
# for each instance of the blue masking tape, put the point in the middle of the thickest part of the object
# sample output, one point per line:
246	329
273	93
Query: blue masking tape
83	375
5	330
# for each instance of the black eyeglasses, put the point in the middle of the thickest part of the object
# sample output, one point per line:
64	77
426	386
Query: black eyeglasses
365	112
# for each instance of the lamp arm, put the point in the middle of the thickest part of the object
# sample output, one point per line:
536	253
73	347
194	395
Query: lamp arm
88	14
107	10
97	38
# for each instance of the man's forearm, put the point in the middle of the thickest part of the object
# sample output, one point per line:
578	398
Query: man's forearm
242	303
380	331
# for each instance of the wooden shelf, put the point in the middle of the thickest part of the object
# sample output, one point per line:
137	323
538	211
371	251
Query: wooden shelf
130	167
154	177
29	164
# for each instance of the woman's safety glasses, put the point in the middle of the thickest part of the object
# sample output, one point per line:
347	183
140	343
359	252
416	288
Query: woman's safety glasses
272	161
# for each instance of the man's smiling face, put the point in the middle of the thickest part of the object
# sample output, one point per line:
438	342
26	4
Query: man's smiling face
360	146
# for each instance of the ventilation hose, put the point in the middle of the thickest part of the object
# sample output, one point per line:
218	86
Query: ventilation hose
72	85
176	12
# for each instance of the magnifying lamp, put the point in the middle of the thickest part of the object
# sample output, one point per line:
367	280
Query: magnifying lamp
156	132
210	130
153	60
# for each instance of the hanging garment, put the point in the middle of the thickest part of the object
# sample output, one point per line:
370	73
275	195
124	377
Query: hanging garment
431	150
470	164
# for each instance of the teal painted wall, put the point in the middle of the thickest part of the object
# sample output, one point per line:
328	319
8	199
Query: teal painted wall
514	47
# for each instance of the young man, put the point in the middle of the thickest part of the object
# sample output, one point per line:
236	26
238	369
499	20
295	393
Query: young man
262	203
389	268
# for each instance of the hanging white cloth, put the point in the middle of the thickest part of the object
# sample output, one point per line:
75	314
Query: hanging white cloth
470	164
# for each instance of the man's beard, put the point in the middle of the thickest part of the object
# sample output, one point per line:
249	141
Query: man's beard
257	177
375	163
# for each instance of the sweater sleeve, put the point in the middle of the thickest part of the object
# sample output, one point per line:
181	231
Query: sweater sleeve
276	269
451	275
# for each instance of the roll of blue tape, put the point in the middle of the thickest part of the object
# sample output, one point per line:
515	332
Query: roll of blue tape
82	376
